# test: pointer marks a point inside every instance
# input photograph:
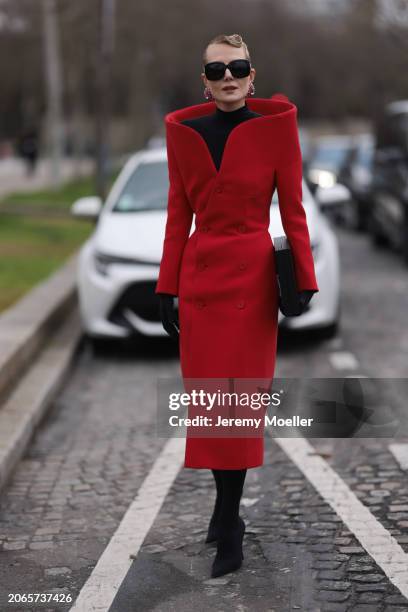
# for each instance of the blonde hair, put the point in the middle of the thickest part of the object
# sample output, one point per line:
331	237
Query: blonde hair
235	40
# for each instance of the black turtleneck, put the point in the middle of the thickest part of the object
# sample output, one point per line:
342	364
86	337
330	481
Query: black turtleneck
215	128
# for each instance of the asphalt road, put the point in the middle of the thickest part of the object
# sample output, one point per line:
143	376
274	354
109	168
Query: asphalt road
327	517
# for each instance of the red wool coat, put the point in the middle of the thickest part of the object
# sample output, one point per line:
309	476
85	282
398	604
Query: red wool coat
224	272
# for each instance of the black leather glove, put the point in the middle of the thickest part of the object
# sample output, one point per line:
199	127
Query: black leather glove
168	315
305	296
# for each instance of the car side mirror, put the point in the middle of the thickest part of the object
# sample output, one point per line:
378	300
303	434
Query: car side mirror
88	207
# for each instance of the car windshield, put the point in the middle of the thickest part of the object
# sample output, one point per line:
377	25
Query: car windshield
146	189
332	154
365	156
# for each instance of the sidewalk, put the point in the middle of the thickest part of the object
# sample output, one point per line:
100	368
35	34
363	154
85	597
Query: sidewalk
13	174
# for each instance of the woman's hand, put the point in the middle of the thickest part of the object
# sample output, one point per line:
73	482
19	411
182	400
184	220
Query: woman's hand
305	296
168	315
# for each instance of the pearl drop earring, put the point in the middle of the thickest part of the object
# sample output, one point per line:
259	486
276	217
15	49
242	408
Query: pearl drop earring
207	94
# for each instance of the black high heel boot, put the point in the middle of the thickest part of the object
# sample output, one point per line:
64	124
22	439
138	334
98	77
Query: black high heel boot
229	555
213	531
213	527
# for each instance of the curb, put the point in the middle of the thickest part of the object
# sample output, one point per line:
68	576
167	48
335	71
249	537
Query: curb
26	326
29	402
37	345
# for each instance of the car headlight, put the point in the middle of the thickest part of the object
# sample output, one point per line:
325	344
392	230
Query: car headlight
101	263
323	178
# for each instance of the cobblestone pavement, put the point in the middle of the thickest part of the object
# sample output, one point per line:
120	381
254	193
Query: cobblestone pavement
375	304
83	469
98	443
298	554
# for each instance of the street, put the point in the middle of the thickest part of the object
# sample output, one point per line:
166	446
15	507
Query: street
98	444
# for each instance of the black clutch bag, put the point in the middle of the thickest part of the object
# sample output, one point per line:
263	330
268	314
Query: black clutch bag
289	302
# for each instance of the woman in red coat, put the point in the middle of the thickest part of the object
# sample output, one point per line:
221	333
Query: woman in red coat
225	159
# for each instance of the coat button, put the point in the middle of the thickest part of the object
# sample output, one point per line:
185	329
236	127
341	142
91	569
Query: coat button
241	228
218	189
242	266
205	228
200	303
202	265
241	304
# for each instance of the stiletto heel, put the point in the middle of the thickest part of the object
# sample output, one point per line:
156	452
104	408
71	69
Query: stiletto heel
229	555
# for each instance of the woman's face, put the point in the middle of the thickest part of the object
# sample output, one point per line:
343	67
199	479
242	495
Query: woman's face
227	99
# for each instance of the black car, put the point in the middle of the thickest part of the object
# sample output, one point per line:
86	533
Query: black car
328	155
356	173
388	222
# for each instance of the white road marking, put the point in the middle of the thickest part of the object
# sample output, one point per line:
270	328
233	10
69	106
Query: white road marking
356	376
99	591
376	540
247	502
343	360
101	588
400	452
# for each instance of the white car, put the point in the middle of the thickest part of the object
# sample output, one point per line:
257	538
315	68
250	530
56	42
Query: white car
119	263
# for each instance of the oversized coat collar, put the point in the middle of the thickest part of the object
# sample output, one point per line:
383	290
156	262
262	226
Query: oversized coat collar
259	154
278	124
277	108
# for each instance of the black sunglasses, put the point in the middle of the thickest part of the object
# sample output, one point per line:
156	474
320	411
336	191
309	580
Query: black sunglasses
239	68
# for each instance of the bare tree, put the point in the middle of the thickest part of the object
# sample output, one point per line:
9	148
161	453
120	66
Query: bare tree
54	89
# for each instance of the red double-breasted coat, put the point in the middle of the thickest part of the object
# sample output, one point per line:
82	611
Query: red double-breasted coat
224	272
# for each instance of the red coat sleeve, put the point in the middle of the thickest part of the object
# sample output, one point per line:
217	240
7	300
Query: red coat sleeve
178	224
288	180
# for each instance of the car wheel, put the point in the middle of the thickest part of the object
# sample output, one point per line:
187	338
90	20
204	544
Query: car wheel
360	220
329	331
377	237
98	345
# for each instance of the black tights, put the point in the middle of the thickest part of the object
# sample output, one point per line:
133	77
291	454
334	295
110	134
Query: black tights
229	484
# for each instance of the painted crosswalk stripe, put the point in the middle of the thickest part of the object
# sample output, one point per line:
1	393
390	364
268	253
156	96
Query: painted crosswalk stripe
400	452
343	360
376	540
99	591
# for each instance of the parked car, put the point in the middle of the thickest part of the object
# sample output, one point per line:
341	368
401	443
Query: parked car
324	165
119	264
323	312
388	222
306	146
356	173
